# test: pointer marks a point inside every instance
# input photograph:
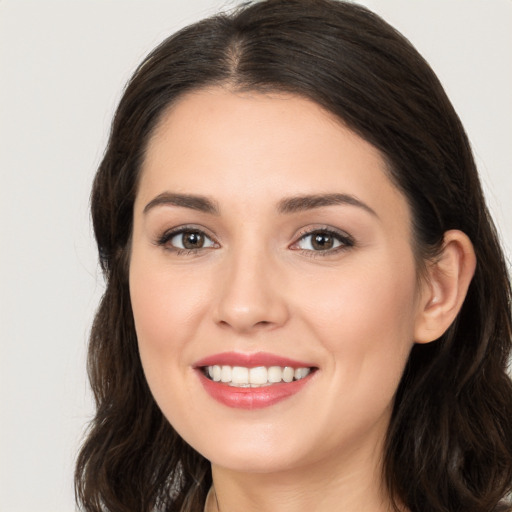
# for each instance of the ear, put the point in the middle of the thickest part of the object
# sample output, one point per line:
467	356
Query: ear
445	286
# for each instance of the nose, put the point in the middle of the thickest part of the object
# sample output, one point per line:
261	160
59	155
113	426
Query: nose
252	295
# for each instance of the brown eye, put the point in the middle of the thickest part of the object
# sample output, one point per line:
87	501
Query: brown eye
324	241
190	240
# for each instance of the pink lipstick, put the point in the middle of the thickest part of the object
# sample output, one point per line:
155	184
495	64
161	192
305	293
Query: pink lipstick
252	381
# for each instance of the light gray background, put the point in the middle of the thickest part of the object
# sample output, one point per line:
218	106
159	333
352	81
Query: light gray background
62	68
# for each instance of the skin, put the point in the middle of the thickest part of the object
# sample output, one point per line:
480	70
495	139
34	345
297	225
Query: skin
354	311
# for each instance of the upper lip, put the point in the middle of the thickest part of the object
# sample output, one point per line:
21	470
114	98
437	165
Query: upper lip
250	360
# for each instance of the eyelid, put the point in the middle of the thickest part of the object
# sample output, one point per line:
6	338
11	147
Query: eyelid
169	234
346	240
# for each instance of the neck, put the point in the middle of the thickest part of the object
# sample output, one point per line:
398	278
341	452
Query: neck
319	487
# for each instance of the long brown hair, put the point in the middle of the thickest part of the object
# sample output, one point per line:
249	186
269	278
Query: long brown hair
449	443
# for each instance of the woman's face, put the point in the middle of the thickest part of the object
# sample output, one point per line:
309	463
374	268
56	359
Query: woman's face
268	235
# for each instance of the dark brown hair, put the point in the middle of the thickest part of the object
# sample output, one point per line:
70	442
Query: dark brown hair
449	443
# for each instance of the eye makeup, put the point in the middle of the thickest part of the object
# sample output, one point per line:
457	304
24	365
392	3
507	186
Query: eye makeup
322	241
186	240
317	241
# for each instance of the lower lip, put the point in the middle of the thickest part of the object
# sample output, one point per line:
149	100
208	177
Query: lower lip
251	398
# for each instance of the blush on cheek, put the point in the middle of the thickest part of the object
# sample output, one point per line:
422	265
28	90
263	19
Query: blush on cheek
166	311
369	327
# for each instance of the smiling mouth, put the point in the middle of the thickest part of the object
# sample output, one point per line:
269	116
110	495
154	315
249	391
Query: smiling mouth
260	376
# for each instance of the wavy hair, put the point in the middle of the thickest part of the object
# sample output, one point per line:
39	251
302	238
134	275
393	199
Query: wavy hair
449	442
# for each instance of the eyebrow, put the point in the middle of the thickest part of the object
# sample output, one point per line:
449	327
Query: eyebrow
309	202
285	206
199	203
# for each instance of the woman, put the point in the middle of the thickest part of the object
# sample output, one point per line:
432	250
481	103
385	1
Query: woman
307	306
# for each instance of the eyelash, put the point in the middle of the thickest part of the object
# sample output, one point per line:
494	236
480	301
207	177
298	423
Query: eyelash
345	241
164	240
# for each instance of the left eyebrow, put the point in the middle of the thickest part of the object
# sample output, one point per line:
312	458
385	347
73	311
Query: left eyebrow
309	202
199	203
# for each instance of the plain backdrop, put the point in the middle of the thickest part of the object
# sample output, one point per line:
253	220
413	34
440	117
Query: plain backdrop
62	68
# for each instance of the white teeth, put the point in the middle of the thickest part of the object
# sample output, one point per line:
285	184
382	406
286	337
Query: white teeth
240	376
275	374
288	374
216	372
258	375
225	374
300	373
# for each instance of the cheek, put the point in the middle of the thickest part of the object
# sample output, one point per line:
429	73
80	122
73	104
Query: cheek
365	321
358	303
166	307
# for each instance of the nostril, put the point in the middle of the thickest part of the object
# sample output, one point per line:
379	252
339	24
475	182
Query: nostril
261	324
243	310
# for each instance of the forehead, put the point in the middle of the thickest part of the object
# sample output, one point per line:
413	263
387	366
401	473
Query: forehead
261	147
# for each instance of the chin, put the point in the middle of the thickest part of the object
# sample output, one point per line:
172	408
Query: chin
255	451
254	462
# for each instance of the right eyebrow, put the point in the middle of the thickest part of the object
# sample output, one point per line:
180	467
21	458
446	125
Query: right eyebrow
309	202
200	203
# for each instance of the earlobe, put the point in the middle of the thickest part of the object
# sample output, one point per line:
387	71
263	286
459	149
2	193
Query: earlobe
445	286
